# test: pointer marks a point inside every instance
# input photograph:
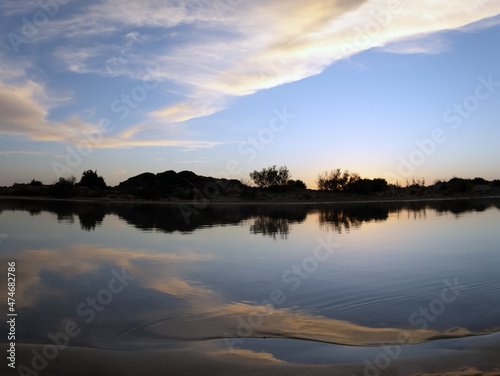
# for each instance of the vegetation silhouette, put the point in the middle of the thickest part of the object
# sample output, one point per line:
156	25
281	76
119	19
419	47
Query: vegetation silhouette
64	187
271	177
90	179
269	184
336	180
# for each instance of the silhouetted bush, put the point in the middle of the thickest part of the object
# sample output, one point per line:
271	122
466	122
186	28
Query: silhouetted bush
415	183
480	181
35	183
459	185
271	177
64	187
443	186
335	180
249	193
92	180
367	186
297	184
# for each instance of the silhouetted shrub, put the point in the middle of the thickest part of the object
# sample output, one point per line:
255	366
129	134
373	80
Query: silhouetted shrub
480	181
271	177
335	180
415	183
367	186
459	185
297	184
249	193
64	187
379	185
35	183
92	180
443	186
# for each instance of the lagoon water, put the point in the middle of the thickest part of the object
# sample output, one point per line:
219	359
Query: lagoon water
318	283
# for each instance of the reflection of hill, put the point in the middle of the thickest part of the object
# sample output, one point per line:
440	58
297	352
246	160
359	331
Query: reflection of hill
90	214
270	220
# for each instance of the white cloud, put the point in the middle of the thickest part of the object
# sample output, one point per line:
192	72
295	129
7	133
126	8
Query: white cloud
26	104
207	57
8	153
260	44
24	113
428	44
117	142
110	16
15	8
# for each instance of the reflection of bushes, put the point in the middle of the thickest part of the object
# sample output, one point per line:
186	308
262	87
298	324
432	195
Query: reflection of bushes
91	218
337	219
271	227
345	218
269	220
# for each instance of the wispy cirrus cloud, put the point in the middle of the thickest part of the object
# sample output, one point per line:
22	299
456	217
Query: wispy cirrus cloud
258	45
25	107
24	111
12	7
8	153
207	58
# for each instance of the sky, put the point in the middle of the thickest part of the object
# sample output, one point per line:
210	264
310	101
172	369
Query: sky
387	88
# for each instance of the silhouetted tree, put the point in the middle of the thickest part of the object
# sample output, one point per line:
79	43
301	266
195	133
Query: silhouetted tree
335	180
92	180
271	177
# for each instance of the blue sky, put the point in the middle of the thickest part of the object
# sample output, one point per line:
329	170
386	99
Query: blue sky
394	89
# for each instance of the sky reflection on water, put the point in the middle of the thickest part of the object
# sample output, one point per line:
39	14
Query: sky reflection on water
199	280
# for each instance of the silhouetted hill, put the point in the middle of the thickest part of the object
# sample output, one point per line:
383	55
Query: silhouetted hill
184	185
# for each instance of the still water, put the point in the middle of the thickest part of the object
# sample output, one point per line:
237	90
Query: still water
142	276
